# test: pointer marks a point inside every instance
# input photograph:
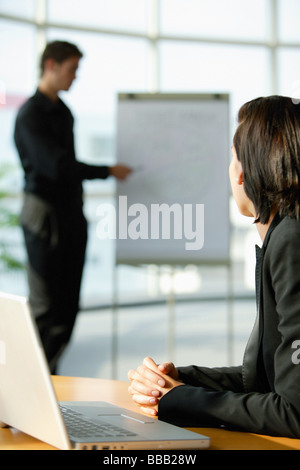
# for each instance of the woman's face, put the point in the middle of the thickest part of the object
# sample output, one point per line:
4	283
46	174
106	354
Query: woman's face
244	204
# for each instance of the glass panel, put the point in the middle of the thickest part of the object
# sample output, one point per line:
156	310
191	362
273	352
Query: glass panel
288	15
202	68
21	8
289	72
210	68
230	19
129	15
17	81
17	57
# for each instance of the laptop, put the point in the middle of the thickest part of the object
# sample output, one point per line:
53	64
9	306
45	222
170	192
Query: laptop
29	404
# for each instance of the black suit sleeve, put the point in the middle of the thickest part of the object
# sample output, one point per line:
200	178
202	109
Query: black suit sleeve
275	411
262	413
89	172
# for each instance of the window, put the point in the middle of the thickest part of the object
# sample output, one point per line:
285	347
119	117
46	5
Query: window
289	72
236	46
129	15
25	9
17	77
216	19
196	67
288	14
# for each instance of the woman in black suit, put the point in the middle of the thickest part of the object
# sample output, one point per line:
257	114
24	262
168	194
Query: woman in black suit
263	394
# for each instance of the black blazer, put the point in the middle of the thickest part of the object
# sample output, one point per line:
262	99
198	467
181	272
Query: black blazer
262	395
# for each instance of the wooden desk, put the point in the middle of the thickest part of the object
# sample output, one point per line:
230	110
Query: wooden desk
76	388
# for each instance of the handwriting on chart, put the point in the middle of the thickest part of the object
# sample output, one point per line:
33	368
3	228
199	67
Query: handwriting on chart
179	149
169	149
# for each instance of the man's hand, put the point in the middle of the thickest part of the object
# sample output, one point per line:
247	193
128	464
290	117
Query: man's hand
120	171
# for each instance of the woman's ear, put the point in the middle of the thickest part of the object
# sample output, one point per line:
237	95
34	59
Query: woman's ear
240	177
239	174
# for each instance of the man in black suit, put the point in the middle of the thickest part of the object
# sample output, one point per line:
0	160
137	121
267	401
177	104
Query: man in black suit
263	394
54	226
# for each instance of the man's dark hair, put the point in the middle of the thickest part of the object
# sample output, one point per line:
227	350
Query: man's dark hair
267	143
59	51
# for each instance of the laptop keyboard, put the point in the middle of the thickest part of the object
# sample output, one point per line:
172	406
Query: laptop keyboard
80	426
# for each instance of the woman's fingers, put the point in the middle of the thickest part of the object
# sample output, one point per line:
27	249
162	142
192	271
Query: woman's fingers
138	386
148	384
168	368
149	373
146	375
146	404
163	369
149	411
140	399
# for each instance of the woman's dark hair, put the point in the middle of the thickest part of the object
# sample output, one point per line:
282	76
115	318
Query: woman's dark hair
59	51
267	143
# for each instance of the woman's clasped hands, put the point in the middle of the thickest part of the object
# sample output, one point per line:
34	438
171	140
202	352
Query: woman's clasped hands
150	382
